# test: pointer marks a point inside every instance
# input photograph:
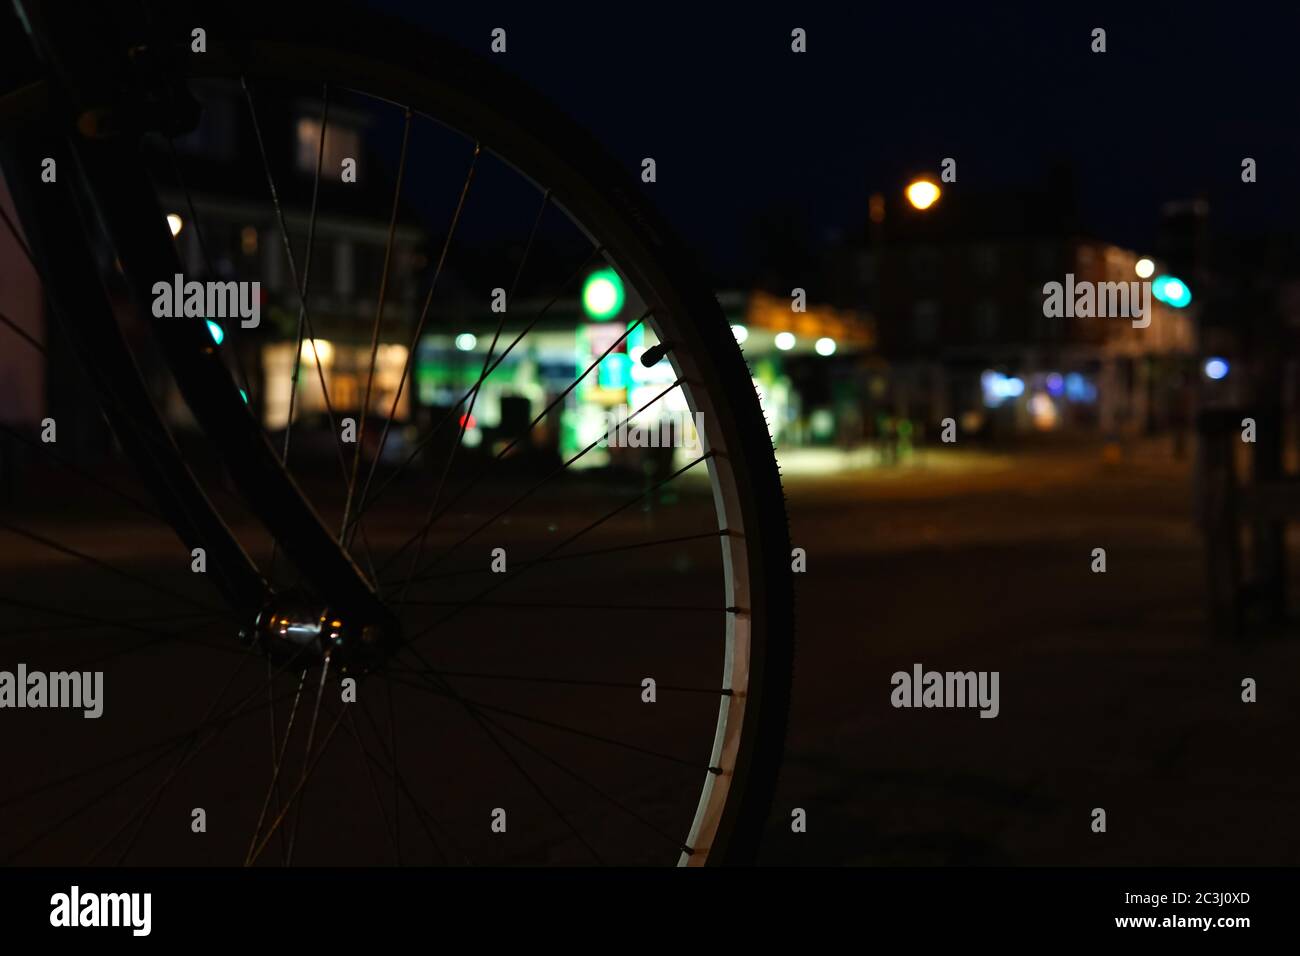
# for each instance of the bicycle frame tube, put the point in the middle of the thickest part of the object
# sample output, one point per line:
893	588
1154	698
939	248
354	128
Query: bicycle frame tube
138	231
84	315
122	202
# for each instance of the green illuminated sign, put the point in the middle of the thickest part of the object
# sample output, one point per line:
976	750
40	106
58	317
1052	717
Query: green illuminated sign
602	294
615	371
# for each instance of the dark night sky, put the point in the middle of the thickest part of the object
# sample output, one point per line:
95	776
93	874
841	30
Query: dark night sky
738	123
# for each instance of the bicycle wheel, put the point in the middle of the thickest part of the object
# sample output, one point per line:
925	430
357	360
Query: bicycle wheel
595	730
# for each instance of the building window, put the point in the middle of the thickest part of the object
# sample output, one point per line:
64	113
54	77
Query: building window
986	320
925	322
984	259
1045	260
214	137
866	268
925	264
272	266
341	143
345	283
1050	327
367	267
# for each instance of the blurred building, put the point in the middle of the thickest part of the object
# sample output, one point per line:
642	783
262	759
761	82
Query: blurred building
216	195
226	229
779	343
958	291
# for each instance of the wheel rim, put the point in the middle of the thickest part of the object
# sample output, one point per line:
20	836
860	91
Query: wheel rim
730	511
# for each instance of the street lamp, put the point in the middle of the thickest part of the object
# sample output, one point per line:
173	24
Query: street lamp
922	193
1216	368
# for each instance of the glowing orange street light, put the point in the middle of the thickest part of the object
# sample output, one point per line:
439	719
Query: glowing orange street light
922	193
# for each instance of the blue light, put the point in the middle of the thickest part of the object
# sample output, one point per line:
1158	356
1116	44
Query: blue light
998	387
1079	389
1055	383
1216	368
1171	291
216	331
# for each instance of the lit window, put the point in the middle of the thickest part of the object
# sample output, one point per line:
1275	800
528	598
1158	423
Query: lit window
341	143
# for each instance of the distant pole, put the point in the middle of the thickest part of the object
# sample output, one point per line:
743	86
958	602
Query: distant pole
1216	503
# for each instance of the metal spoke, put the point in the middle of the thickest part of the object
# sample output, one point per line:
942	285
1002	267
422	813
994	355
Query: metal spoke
423	815
364	756
567	681
167	747
579	606
196	750
311	736
594	552
573	774
103	565
93	801
159	636
307	771
447	416
379	309
432	517
430	673
419	331
303	296
304	293
464	419
392	738
564	466
87	625
475	711
298	285
82	473
23	334
145	810
512	575
231	713
277	762
143	432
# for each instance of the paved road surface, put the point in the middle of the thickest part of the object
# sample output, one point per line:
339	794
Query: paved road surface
1112	693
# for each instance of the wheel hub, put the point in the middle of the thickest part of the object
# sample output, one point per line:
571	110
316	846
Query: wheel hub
294	626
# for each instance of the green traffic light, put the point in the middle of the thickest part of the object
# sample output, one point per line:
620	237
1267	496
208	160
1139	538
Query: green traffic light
602	294
1171	291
